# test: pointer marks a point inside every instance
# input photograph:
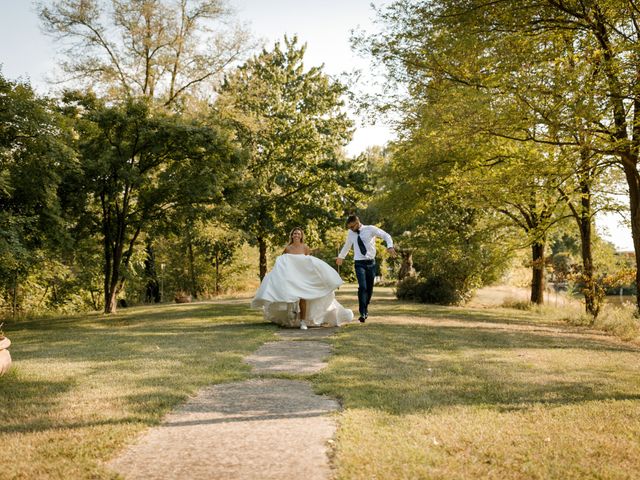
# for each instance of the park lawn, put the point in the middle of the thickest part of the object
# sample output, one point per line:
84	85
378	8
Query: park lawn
427	391
82	387
433	392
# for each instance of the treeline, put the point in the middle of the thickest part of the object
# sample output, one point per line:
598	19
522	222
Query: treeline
174	152
518	122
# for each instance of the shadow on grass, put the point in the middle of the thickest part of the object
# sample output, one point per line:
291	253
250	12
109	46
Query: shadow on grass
179	343
43	425
145	317
385	304
411	368
133	366
23	401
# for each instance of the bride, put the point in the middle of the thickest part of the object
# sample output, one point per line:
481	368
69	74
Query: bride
299	290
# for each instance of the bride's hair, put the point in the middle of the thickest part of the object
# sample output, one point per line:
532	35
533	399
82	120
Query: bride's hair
291	235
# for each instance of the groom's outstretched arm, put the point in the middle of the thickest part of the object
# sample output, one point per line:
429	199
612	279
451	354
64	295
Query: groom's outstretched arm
387	240
378	232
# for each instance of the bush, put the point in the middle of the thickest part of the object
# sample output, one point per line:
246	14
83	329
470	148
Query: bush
436	290
517	304
619	321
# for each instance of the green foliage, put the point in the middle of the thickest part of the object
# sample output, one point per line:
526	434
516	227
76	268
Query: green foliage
33	157
136	167
292	123
175	274
437	290
614	270
456	250
523	103
437	215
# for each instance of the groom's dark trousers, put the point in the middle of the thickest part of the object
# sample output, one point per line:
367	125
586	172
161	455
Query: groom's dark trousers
366	274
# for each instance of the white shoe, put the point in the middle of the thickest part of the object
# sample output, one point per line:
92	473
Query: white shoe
303	326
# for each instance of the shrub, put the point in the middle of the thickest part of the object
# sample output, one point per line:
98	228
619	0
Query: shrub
434	289
620	321
517	304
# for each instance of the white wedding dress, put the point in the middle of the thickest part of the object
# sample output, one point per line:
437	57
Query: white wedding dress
296	277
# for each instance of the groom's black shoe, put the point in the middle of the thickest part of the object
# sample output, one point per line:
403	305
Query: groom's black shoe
362	318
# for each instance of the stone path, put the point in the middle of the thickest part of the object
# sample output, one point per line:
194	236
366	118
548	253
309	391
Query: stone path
290	357
263	428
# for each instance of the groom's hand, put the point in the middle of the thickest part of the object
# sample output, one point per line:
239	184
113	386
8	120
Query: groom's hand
392	251
339	261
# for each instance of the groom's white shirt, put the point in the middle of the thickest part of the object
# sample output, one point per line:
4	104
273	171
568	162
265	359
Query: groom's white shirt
368	234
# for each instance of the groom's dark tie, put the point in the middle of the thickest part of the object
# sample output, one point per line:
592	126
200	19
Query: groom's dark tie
363	249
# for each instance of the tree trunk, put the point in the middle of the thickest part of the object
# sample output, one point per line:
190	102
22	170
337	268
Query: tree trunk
110	267
262	245
110	303
627	151
537	278
108	261
633	181
112	276
217	276
192	269
591	294
152	291
94	301
14	299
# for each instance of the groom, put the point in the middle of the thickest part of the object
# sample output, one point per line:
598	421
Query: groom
364	239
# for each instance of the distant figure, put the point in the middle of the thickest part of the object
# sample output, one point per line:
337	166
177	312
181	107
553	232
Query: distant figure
299	290
364	236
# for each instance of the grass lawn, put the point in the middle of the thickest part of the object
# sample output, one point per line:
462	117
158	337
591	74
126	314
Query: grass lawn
449	393
428	392
80	388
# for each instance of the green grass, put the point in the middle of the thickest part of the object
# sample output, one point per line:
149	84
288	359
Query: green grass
450	393
81	388
428	392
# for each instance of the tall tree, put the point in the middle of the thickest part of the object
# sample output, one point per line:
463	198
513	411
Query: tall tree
172	52
608	34
165	50
33	156
542	75
293	125
135	167
438	181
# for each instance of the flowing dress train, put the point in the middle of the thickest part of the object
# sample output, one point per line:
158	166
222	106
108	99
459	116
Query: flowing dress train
296	277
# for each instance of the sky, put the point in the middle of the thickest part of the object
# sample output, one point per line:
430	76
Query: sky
325	26
26	53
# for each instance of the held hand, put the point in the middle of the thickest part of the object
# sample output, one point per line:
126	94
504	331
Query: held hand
339	261
392	251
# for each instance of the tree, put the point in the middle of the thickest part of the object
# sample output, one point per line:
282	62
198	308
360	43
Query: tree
172	52
444	147
135	167
163	50
220	252
608	32
292	124
429	199
536	68
33	155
